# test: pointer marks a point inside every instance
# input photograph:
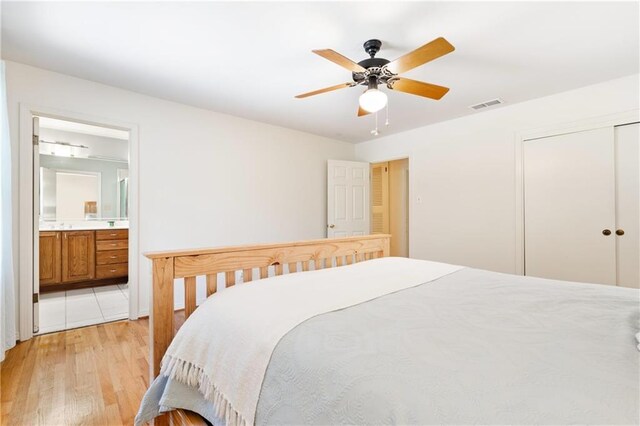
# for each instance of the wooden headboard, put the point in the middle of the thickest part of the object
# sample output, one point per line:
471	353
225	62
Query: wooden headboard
253	261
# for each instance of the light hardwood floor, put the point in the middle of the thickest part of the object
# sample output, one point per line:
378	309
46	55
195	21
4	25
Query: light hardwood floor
94	375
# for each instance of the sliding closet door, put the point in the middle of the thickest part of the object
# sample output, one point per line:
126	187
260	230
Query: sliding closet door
628	204
570	207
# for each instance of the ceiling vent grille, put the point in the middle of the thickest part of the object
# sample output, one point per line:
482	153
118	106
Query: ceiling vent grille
487	104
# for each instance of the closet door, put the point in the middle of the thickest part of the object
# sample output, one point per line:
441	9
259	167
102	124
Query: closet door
627	141
569	201
380	198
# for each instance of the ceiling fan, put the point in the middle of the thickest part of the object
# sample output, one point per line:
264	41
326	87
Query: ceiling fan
373	71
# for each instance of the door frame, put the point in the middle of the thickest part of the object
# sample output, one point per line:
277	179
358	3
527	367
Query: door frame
591	123
27	250
118	178
409	201
409	189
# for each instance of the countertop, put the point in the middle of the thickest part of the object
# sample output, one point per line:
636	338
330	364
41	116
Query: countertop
82	226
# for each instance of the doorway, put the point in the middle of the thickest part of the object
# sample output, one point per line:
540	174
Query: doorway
81	224
390	203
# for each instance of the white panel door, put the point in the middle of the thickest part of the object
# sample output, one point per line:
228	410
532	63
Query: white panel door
570	207
627	142
347	198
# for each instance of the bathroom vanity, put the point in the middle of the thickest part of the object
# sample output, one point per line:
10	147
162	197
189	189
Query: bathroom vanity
71	259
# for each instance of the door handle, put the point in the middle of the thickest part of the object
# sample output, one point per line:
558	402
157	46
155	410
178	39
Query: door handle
620	232
606	232
331	226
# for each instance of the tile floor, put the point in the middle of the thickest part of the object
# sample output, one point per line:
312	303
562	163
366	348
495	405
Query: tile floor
64	310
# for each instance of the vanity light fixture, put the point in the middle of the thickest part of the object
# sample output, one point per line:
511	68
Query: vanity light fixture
63	149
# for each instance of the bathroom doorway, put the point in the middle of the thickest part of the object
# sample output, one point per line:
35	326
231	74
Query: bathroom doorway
81	244
390	203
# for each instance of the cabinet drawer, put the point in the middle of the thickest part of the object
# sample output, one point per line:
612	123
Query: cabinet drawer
112	234
112	271
112	256
112	245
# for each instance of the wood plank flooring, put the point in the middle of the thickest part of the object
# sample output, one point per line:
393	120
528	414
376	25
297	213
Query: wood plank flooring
89	376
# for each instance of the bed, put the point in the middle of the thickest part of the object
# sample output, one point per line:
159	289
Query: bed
336	332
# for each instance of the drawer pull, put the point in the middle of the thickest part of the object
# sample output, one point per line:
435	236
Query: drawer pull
112	270
114	257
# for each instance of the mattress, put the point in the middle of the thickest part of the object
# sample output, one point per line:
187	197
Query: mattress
469	347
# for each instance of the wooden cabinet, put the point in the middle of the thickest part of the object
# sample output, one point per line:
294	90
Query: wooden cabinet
110	257
50	258
112	245
78	256
76	259
113	254
112	271
112	234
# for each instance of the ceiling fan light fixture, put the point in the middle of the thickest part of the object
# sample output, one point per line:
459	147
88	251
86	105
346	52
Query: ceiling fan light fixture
373	100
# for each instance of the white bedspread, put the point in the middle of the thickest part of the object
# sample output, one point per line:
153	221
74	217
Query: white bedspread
228	366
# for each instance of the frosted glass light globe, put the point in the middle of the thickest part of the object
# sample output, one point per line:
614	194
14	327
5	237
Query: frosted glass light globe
373	100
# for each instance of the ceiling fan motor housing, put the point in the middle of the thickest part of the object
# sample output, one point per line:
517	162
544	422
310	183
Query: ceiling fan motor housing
373	65
372	47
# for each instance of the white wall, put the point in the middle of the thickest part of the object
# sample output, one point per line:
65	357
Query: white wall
464	171
206	179
212	179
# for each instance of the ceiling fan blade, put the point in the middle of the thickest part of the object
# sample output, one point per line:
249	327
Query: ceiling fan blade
362	111
430	51
326	89
337	58
419	88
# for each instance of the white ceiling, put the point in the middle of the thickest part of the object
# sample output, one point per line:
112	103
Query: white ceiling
250	59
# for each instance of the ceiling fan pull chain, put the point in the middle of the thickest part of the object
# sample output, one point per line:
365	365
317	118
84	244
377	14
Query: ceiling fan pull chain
375	131
386	123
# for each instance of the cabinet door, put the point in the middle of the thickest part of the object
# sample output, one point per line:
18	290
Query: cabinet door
50	258
569	200
78	256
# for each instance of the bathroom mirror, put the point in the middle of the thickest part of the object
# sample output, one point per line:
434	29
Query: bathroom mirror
73	189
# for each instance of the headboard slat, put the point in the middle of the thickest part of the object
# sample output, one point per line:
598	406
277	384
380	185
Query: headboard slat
212	284
229	279
189	296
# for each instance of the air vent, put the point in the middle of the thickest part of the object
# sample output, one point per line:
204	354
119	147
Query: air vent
486	104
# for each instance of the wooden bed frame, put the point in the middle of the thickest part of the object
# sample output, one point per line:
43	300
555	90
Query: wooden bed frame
233	262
